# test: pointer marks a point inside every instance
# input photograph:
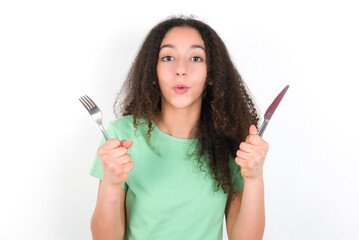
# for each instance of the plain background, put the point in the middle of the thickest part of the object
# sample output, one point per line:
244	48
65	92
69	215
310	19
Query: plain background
53	52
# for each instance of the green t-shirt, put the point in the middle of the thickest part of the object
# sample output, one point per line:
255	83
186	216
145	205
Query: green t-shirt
168	196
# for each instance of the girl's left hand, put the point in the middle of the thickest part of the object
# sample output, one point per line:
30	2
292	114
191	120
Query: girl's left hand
251	155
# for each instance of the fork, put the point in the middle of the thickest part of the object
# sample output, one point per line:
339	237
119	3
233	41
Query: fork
95	113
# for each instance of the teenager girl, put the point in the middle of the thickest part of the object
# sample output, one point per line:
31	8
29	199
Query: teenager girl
185	152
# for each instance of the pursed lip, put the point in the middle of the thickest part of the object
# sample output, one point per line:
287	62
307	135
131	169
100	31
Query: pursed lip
181	88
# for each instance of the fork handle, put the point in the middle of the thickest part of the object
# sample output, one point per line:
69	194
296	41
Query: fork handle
104	132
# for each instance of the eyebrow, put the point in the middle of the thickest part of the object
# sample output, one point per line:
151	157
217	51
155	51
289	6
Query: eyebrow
192	46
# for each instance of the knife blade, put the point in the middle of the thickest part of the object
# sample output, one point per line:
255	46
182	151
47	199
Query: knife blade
271	109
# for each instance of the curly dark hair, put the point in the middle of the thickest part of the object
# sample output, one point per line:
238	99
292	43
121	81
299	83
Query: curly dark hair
227	108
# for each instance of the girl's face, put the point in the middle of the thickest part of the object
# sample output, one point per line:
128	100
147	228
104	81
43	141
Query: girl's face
181	68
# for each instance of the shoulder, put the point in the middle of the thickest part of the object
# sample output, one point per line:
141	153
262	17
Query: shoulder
124	127
121	127
127	120
122	121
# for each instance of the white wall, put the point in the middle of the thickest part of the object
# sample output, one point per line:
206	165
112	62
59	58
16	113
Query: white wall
53	52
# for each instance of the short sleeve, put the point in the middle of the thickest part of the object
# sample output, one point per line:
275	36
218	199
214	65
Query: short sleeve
237	179
96	170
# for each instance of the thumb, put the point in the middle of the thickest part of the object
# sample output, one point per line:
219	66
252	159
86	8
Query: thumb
126	143
253	130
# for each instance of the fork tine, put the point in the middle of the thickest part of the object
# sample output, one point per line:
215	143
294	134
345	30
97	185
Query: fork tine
89	100
86	105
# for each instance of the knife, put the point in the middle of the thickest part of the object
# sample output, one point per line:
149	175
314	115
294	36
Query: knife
271	109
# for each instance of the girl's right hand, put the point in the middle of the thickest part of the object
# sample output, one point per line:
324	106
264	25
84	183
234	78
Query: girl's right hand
116	163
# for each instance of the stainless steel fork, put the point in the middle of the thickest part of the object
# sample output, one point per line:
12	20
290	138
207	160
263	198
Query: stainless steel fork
95	113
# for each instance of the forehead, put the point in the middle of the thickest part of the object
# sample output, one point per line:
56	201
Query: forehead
182	36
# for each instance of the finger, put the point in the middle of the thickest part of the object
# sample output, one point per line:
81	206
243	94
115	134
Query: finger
111	143
118	152
247	147
123	159
245	155
128	166
253	130
126	143
122	164
253	139
240	161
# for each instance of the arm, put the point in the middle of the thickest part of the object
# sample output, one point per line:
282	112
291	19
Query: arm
249	223
108	220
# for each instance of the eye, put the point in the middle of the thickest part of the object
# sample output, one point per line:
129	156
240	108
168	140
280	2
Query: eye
167	58
197	59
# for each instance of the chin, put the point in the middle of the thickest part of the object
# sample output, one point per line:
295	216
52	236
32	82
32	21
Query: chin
183	104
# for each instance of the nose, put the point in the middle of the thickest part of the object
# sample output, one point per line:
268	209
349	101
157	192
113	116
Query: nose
181	68
180	73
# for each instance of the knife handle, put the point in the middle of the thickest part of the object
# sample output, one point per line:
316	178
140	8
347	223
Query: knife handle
263	127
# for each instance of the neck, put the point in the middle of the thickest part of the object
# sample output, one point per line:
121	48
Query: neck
180	123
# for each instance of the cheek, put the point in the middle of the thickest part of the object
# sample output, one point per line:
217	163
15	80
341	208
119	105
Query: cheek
164	80
160	72
164	72
198	70
200	76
